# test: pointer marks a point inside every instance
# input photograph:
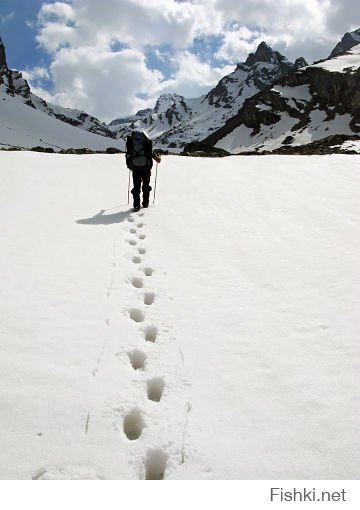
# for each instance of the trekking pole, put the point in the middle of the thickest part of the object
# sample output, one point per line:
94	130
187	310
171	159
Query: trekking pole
129	189
155	182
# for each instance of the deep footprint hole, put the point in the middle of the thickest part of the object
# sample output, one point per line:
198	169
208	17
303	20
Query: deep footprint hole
155	465
151	333
130	219
133	242
137	315
155	388
148	271
141	236
136	259
137	282
140	225
133	425
149	298
142	251
137	359
133	231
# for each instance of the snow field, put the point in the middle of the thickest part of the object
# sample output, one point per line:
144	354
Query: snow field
156	422
211	336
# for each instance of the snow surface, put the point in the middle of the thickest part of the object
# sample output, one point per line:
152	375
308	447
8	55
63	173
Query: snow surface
23	126
300	92
350	61
234	301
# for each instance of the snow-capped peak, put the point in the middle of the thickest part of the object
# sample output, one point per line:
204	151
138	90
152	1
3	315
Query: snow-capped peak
166	101
349	40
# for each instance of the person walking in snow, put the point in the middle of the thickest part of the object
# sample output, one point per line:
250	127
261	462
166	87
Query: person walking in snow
139	159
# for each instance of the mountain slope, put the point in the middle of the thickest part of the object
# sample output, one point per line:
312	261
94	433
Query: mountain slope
306	105
14	85
176	120
26	127
349	40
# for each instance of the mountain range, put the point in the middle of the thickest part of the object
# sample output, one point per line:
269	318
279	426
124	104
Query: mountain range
267	103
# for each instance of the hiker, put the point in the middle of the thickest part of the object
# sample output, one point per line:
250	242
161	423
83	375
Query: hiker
139	159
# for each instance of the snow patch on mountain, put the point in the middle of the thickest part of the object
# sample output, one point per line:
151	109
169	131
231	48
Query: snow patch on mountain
344	63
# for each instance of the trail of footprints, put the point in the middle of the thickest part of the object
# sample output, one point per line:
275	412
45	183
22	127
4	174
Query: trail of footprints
156	459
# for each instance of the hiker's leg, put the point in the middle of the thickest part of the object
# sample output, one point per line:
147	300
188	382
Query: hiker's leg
136	189
146	188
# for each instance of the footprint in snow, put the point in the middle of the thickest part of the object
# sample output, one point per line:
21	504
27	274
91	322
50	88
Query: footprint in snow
136	259
133	231
137	359
149	298
132	242
138	283
155	464
148	271
133	425
130	219
140	225
150	333
142	251
137	315
155	388
141	236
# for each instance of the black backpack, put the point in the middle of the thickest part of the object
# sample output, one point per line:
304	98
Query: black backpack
138	151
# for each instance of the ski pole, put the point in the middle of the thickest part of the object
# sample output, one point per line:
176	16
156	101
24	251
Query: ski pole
155	183
129	189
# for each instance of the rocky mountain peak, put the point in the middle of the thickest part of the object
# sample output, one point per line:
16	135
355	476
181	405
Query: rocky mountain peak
166	101
349	40
300	62
263	53
2	55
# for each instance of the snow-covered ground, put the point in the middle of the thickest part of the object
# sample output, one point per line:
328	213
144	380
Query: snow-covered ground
214	335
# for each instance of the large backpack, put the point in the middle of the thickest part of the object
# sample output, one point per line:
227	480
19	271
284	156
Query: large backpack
138	151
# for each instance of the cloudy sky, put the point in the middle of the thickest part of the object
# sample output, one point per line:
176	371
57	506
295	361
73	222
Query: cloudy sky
113	57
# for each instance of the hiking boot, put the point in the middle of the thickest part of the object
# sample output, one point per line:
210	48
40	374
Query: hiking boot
145	204
136	208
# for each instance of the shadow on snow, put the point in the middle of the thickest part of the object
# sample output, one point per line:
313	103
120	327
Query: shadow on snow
105	219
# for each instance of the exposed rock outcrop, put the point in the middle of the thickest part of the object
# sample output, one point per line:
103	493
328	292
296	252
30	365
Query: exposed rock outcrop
349	40
326	91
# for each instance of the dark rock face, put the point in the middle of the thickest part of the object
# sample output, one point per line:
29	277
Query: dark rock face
331	92
2	55
253	73
200	149
349	40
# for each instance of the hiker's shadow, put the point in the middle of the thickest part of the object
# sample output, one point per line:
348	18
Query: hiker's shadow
105	219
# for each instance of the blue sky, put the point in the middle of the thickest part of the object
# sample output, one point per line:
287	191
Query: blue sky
112	57
21	47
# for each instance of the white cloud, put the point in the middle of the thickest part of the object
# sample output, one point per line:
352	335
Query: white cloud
89	71
296	27
4	18
102	82
194	77
37	73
